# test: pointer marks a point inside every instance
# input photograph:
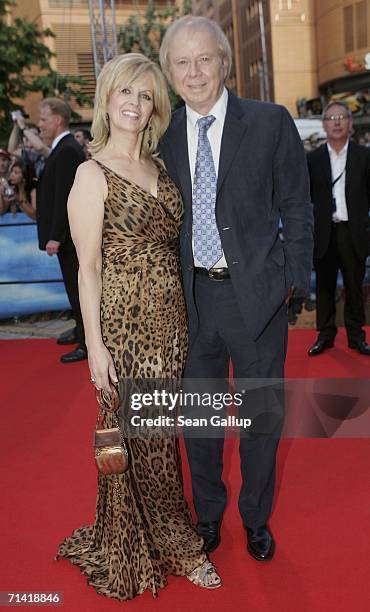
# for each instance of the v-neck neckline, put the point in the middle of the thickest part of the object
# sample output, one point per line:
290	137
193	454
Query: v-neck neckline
123	178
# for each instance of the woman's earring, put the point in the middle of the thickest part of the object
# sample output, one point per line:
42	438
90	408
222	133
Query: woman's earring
150	134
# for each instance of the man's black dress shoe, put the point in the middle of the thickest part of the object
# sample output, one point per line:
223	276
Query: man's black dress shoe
210	532
361	346
78	354
68	337
319	347
261	544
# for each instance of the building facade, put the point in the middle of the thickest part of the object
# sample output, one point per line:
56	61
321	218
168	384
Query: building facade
70	22
273	46
289	49
343	54
282	49
246	24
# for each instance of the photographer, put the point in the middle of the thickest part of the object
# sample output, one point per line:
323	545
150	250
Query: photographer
17	194
25	142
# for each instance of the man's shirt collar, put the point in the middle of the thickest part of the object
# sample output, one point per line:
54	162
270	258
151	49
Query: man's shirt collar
218	110
59	138
341	152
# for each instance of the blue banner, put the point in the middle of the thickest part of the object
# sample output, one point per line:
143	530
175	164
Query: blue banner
30	280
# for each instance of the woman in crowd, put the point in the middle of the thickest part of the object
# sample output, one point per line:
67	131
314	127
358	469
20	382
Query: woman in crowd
125	215
18	194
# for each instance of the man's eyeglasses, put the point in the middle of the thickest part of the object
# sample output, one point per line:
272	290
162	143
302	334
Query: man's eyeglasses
336	117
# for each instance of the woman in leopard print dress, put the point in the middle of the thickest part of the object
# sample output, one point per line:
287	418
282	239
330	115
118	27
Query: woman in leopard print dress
125	214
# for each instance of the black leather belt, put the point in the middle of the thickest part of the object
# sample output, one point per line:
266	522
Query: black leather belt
216	274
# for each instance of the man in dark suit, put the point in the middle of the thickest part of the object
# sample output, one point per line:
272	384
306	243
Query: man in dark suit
53	188
340	191
240	167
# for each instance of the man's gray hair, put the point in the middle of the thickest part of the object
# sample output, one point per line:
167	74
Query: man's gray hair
194	23
337	103
58	107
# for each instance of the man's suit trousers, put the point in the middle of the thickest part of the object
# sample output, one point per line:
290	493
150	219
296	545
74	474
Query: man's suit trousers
69	266
342	256
221	337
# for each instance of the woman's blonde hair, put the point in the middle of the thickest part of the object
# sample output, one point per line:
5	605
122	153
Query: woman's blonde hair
123	70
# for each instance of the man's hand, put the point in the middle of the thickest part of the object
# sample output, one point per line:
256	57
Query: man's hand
290	294
52	247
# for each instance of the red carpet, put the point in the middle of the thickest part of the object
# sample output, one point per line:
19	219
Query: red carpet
321	518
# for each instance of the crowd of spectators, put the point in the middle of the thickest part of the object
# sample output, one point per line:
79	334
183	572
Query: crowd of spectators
315	140
83	138
22	163
27	154
364	139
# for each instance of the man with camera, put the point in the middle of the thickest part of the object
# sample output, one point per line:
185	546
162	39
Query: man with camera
25	142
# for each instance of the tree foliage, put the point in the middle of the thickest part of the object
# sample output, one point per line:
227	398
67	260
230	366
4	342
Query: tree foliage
145	34
25	66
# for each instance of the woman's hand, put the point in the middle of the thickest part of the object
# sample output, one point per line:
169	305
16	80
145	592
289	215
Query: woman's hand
9	200
102	369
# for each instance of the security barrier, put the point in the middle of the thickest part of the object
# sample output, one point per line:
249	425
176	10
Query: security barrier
30	280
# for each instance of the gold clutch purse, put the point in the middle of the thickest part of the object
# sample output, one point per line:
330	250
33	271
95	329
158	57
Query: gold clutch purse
111	456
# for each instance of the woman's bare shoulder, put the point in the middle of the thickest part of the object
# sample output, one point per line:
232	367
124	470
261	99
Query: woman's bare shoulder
89	169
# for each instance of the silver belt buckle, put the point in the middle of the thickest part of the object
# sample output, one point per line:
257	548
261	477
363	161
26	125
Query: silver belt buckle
211	274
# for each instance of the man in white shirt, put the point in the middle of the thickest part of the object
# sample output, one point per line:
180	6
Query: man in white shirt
340	191
53	188
240	167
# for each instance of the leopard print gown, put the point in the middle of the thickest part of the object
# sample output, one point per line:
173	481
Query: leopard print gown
145	533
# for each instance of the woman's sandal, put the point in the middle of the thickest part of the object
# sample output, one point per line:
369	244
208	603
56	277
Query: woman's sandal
205	576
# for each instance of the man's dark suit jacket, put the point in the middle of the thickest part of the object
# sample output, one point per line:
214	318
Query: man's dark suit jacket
357	197
262	177
53	189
